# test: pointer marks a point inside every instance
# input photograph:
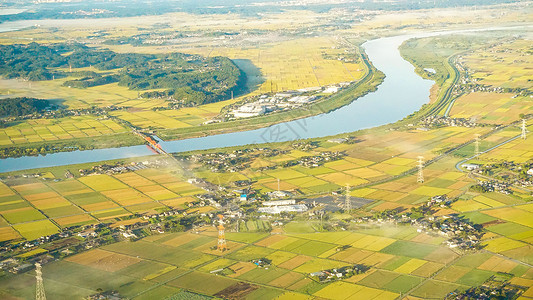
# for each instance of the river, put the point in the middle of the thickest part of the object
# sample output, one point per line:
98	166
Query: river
401	93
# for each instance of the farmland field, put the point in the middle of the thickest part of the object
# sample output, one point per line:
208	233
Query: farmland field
87	200
148	227
171	260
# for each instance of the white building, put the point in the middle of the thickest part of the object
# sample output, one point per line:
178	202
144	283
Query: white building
470	167
283	208
279	194
279	202
300	99
249	110
331	90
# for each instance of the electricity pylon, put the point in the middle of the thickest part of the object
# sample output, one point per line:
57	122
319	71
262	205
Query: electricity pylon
39	289
476	144
524	129
420	169
221	235
348	202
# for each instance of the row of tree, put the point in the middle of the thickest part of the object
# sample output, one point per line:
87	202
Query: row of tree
14	107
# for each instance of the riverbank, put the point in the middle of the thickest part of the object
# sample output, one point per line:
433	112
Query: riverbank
369	83
399	97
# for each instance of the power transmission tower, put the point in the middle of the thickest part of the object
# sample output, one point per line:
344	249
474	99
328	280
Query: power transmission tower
221	235
39	289
476	144
420	169
348	202
524	129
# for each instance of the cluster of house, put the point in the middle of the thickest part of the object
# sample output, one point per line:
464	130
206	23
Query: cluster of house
262	262
338	273
316	160
119	167
107	295
468	84
510	172
442	121
461	233
497	286
494	186
234	161
439	200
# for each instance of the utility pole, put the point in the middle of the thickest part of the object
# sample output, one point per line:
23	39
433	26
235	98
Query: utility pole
278	185
222	246
420	169
39	289
524	129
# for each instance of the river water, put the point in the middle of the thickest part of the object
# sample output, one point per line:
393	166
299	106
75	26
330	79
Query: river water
401	93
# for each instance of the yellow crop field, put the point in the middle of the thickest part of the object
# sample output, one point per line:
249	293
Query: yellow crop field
8	233
502	244
38	130
133	179
157	192
512	214
34	230
126	196
339	290
410	266
74	220
296	64
487	107
102	182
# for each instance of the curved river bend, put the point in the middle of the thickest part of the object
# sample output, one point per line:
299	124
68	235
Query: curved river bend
401	93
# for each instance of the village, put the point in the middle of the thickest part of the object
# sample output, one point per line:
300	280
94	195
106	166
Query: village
460	232
338	273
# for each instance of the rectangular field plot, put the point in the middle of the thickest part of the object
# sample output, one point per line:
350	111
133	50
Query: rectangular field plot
111	213
157	192
37	130
75	220
125	197
91	201
33	230
409	249
102	182
69	187
8	233
103	260
196	281
21	215
133	179
513	214
436	289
